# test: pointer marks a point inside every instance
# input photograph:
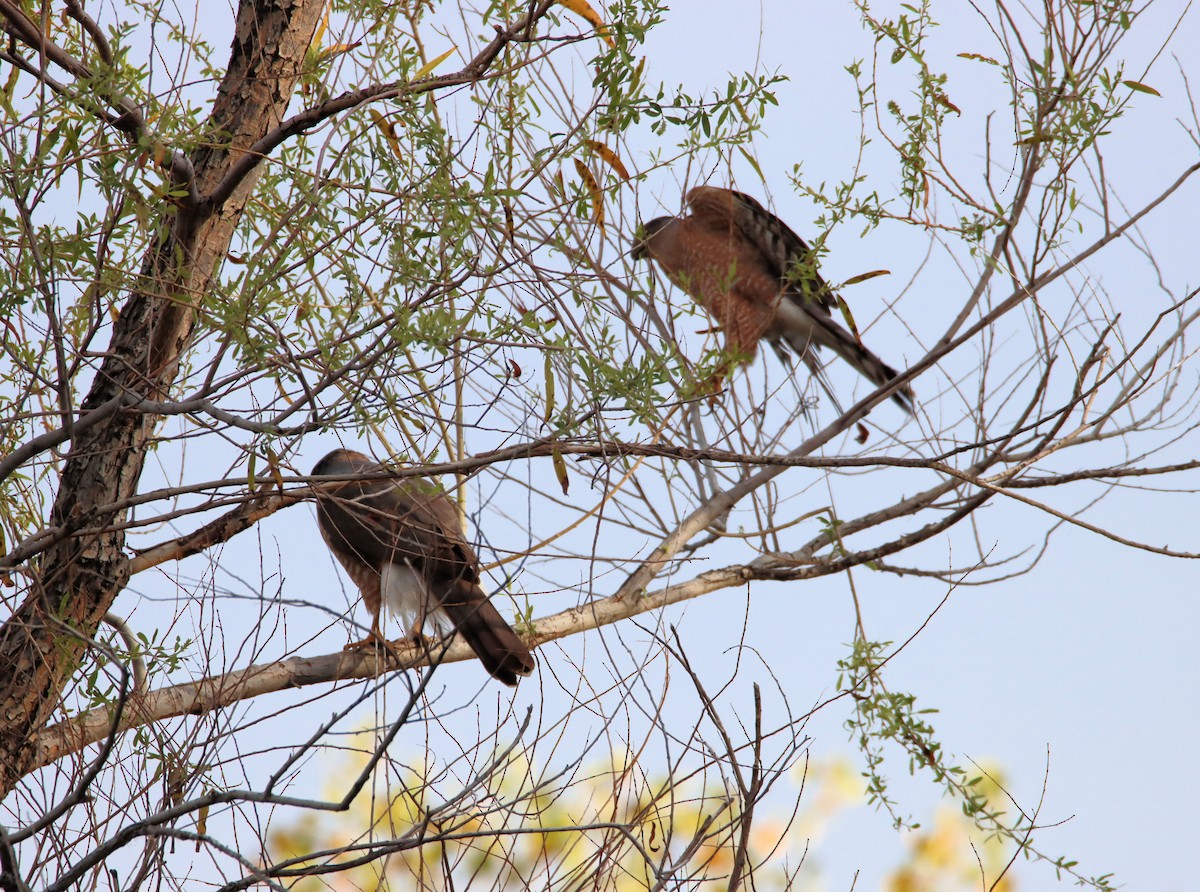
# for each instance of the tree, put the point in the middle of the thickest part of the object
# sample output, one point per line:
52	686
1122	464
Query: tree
405	226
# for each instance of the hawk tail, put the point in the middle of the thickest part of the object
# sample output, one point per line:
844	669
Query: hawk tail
859	358
498	647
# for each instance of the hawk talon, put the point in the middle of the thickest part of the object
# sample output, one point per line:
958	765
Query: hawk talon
414	639
377	642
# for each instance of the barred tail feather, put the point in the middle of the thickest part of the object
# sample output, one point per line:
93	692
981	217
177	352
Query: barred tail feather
823	331
498	647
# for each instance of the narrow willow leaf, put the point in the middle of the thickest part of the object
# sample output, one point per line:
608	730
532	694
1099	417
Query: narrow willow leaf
609	157
589	181
9	90
273	467
389	131
1141	88
584	10
979	58
849	317
753	163
560	470
433	63
319	34
338	49
549	390
862	277
201	821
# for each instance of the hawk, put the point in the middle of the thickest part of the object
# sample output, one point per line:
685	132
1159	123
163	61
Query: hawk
402	544
758	280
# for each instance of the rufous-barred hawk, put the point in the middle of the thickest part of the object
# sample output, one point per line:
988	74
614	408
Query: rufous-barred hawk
758	280
402	545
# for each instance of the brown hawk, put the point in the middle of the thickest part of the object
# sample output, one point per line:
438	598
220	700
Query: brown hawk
402	545
758	280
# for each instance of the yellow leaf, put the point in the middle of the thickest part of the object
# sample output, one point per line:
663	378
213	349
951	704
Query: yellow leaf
593	188
273	466
582	9
560	470
202	821
433	63
862	277
609	157
337	49
319	35
389	131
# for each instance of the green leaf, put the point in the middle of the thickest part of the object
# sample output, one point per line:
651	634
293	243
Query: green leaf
1141	88
549	390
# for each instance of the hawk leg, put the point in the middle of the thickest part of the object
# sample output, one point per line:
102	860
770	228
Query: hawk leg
375	638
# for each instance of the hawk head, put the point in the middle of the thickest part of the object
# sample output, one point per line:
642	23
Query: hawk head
641	241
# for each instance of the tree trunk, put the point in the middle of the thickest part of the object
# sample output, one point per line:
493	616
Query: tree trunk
80	575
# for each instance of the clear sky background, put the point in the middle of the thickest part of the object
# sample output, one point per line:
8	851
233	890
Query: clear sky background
1080	675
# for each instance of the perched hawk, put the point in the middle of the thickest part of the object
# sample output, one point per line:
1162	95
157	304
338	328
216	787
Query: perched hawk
401	544
758	280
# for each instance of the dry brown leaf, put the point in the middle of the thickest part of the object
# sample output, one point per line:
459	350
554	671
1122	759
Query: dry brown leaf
589	181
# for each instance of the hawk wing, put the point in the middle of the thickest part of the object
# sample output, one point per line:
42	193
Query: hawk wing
784	255
380	521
